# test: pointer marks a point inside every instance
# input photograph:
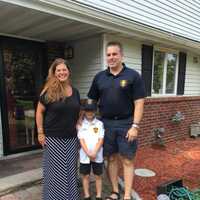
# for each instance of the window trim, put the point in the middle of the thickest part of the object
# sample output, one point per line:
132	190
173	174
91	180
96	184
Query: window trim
165	50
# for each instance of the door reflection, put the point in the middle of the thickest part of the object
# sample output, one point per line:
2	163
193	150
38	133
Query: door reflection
20	76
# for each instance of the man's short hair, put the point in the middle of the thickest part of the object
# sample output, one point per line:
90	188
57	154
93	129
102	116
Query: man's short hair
115	43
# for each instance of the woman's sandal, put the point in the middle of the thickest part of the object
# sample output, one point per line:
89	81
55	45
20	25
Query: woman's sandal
112	198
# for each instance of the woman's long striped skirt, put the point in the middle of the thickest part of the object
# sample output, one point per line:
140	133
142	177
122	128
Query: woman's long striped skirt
60	178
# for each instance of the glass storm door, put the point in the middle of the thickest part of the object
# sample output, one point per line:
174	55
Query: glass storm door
23	75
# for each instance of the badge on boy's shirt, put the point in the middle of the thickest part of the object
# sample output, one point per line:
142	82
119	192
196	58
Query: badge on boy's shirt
95	129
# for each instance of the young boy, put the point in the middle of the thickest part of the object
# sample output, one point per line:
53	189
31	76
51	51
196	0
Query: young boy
91	135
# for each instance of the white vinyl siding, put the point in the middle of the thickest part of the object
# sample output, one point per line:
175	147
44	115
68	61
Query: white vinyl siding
86	63
89	59
192	76
178	17
132	50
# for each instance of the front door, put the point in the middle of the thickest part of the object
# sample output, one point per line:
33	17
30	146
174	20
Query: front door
22	69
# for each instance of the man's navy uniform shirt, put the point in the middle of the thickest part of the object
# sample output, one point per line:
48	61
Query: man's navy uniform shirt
117	93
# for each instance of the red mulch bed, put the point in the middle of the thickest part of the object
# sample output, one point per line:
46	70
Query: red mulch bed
177	160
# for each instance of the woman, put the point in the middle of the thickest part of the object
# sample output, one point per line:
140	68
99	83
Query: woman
56	117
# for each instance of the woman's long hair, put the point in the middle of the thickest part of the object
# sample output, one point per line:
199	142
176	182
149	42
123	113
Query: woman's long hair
54	89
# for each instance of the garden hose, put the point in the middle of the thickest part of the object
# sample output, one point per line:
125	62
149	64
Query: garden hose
182	193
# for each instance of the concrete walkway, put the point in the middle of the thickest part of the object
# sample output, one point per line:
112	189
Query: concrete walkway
33	192
21	179
21	176
27	186
17	181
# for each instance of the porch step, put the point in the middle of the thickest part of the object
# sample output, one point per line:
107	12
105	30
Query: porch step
12	183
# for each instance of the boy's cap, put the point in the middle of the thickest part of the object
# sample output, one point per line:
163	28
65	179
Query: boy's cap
90	105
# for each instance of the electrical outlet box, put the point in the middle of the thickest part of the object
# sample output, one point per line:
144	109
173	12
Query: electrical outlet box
195	130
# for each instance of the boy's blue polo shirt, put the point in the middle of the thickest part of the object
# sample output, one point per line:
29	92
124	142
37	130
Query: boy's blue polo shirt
116	94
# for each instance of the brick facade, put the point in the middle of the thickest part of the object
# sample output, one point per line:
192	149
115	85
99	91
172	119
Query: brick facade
158	113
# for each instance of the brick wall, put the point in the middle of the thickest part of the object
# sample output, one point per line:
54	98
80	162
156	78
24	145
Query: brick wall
158	113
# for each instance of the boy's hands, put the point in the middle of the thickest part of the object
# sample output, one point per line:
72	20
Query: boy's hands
92	155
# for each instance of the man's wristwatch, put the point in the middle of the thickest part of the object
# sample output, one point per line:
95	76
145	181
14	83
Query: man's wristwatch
135	125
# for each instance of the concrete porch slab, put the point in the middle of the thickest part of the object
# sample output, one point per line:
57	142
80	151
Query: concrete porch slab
14	182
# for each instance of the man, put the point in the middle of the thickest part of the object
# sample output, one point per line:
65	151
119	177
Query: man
120	92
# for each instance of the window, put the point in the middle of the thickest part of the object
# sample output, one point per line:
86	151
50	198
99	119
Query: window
165	73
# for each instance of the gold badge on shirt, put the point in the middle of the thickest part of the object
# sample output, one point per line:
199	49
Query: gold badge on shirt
123	83
95	129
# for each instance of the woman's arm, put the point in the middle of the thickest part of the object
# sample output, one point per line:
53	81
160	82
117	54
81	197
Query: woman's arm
80	120
39	122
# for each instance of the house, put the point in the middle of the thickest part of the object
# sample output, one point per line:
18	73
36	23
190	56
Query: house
161	41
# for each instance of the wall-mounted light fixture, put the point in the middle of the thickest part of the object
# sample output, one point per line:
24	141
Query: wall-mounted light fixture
195	59
69	52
